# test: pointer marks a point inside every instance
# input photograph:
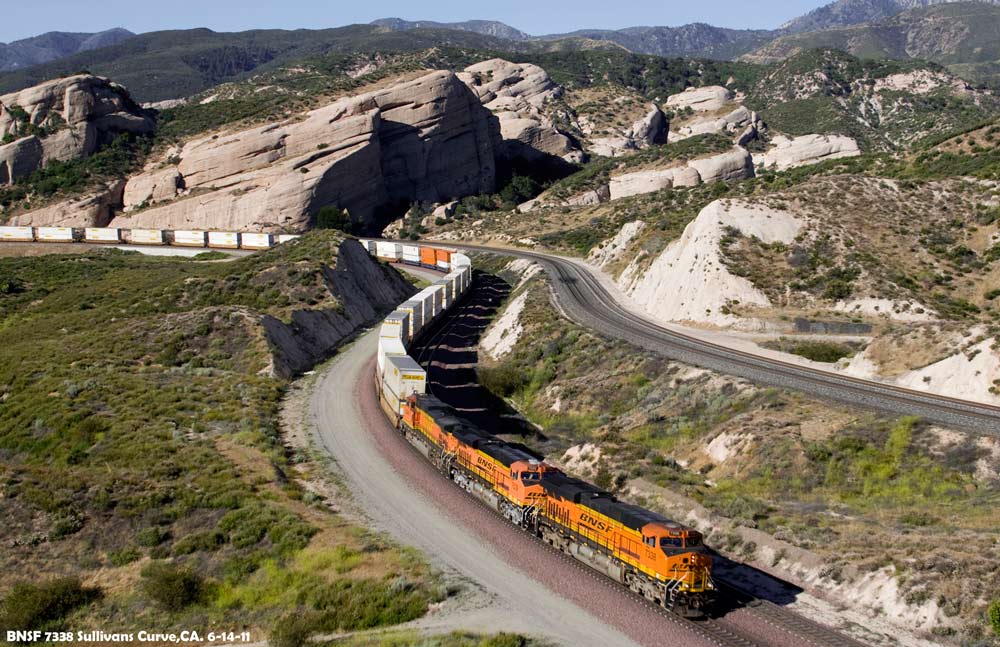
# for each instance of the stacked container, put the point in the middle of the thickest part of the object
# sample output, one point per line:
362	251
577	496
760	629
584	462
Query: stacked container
146	236
54	234
255	241
102	235
411	254
403	377
17	234
190	238
415	310
224	239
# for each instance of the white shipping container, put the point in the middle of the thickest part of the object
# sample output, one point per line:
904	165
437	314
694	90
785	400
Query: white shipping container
189	238
426	300
390	251
404	377
368	245
460	260
387	348
102	235
146	236
224	239
448	288
396	326
255	241
438	293
284	238
17	234
54	234
411	254
416	311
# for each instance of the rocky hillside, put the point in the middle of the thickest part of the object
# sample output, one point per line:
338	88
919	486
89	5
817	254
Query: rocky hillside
845	13
55	45
963	36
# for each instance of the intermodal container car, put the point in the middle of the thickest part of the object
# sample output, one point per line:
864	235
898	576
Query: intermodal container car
146	236
255	241
396	326
190	238
284	238
428	257
443	259
224	239
17	234
416	311
387	348
54	234
102	235
411	254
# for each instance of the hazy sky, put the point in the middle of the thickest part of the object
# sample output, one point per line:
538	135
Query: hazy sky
23	18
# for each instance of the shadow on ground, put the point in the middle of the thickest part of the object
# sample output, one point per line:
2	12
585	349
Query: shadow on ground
448	351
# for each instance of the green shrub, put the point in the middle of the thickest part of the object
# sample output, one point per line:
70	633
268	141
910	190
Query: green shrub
42	606
503	380
152	536
170	586
994	616
292	630
124	556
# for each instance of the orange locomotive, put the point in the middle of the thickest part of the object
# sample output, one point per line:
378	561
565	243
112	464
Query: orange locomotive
655	557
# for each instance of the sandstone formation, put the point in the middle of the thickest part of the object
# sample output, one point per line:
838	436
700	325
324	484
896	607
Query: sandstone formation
428	140
650	129
704	99
731	122
788	152
366	289
736	164
64	119
689	281
93	210
517	94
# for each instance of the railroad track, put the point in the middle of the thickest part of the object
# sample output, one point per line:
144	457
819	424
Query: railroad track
581	297
715	630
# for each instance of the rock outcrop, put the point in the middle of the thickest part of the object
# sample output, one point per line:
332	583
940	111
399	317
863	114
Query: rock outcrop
704	99
651	129
517	94
93	210
62	120
428	140
788	152
736	164
367	291
689	280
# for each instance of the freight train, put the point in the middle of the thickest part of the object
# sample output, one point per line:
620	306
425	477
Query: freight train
115	236
659	559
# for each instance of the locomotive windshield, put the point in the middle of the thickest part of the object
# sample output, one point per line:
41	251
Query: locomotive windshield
530	476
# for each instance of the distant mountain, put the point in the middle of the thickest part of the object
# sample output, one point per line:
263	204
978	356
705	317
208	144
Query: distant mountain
964	36
55	45
492	28
697	39
845	13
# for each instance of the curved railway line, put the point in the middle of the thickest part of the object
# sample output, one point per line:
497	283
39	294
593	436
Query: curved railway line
721	631
582	298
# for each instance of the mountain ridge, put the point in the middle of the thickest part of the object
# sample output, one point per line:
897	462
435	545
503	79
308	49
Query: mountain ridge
55	45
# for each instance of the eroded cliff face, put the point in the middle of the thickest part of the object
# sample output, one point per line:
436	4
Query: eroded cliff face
427	140
365	290
62	120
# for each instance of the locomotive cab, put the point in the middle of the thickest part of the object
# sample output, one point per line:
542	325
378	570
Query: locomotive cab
526	481
681	558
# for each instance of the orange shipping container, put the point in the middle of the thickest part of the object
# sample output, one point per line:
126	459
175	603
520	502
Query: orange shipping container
427	256
443	255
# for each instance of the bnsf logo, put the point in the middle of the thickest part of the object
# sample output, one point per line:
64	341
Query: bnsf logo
592	521
485	464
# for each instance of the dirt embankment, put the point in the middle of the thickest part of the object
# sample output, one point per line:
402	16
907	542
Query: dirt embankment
365	290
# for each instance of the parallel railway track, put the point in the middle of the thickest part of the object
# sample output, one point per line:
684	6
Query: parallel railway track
581	297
